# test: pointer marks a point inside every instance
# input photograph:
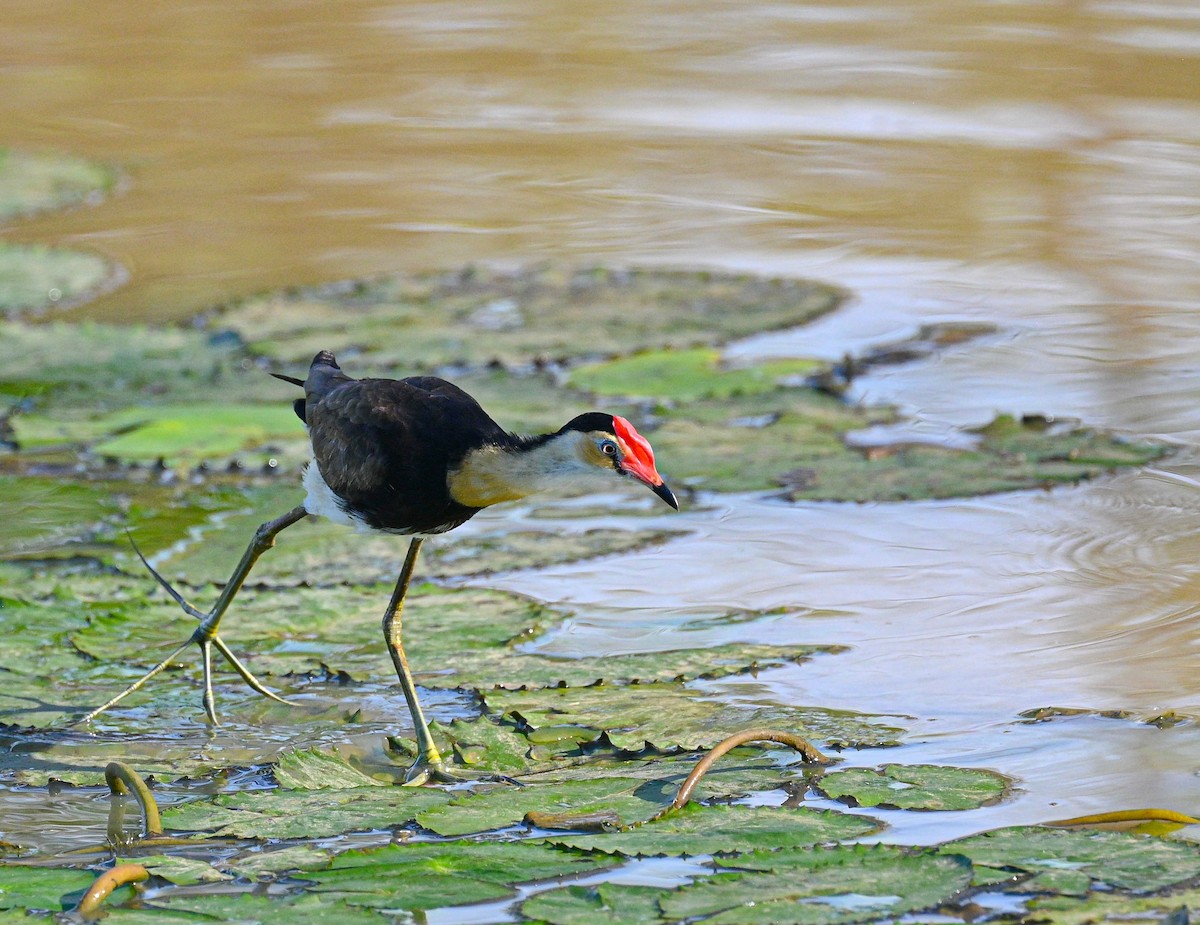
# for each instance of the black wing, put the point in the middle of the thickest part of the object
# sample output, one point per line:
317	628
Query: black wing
384	446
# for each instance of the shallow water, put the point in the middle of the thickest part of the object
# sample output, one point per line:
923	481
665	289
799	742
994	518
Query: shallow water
1035	166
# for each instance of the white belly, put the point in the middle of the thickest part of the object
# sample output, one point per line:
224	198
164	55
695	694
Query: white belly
321	500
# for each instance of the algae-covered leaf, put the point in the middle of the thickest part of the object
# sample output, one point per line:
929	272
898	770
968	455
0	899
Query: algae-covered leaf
1171	907
253	865
34	277
896	786
179	870
697	829
684	375
195	431
823	886
602	904
312	769
672	716
304	814
1122	860
480	314
505	806
41	182
52	889
430	875
244	908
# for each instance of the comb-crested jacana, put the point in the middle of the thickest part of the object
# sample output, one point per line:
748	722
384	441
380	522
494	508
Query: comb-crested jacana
416	457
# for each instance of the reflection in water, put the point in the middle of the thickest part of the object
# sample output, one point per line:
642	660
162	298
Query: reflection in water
1033	165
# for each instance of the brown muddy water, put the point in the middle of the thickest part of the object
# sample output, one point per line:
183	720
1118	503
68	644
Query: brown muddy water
1031	164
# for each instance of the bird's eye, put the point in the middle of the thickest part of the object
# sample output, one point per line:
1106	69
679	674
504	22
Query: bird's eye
608	448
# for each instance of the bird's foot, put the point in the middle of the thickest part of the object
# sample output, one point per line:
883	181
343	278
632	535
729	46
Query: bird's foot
425	772
206	638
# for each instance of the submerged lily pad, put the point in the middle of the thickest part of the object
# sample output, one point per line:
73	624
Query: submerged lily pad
818	886
921	786
697	829
41	182
1125	861
671	716
479	314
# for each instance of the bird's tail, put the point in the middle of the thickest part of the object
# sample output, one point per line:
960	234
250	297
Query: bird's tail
323	374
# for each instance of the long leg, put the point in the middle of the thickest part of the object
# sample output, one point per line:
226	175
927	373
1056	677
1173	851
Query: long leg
205	635
429	759
429	764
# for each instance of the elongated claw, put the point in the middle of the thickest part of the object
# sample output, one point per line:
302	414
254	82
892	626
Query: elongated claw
205	636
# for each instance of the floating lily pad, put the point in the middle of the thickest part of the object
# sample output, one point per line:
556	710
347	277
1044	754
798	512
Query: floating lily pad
34	278
602	904
921	786
201	431
311	769
42	182
179	870
432	875
505	806
303	814
819	886
480	314
1124	861
685	375
1097	906
46	888
185	909
298	857
671	716
801	449
697	829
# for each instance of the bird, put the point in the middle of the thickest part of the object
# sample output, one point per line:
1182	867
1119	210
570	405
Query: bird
412	457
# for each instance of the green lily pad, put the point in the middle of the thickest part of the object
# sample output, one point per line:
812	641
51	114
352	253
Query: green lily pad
725	829
303	814
183	909
502	807
48	888
179	870
1114	907
480	314
34	278
432	875
822	886
311	769
298	857
86	367
32	183
671	716
1124	861
922	786
685	375
800	447
602	904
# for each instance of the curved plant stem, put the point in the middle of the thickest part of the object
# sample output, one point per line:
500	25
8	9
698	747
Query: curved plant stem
93	899
1126	815
121	779
799	743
